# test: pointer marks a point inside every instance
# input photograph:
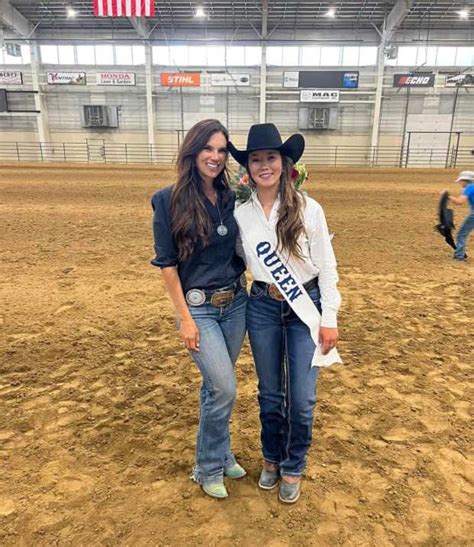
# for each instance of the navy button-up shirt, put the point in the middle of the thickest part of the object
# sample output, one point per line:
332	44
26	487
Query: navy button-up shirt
209	268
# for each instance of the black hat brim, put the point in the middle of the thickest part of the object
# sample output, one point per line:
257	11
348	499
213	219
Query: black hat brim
293	148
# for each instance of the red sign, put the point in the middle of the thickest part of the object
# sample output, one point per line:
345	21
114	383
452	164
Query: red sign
180	79
124	8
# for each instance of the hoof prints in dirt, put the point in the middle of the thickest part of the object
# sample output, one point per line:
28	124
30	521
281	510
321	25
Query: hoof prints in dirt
100	400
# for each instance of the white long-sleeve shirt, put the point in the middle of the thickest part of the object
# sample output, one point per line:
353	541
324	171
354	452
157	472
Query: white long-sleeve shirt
316	248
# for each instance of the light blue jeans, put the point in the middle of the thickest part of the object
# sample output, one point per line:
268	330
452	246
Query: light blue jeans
463	233
221	332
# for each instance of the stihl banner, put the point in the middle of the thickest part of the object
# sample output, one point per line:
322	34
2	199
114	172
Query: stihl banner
419	79
180	79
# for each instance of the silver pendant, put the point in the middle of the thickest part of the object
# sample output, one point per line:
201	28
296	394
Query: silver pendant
222	230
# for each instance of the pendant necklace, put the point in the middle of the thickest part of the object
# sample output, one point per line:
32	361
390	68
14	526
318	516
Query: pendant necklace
222	228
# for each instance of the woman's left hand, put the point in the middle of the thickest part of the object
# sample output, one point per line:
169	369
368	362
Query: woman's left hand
328	338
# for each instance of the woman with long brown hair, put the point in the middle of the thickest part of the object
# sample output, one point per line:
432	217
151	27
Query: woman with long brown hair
293	302
195	239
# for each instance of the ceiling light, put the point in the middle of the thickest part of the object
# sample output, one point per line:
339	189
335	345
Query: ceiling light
199	12
331	12
464	14
71	12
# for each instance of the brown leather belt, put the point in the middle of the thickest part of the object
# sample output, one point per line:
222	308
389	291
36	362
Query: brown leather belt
219	298
274	292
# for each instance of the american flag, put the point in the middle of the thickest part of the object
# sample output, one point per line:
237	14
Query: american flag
124	8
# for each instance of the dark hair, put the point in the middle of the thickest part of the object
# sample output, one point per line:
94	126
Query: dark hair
190	221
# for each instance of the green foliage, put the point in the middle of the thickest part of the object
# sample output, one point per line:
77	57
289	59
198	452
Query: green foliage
242	185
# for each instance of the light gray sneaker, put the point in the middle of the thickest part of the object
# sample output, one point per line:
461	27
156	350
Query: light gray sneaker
289	492
268	479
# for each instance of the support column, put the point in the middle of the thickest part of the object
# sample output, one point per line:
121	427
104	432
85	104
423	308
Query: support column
391	23
149	100
374	140
263	67
40	101
451	127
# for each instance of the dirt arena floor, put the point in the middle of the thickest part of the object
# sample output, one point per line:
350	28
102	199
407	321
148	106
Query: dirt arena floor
98	399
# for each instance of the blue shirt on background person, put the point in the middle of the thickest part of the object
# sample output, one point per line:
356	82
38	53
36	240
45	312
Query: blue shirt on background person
466	179
469	192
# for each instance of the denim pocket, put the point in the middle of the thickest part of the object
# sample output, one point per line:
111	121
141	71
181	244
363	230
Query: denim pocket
315	296
240	299
256	291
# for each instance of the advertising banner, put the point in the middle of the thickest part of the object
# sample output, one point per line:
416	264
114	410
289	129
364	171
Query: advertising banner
180	79
322	79
319	95
230	80
415	79
290	79
462	80
11	77
66	78
115	78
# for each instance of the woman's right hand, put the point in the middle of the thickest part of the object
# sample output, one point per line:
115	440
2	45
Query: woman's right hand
190	334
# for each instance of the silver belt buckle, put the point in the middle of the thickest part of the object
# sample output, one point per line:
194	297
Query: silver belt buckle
195	297
243	281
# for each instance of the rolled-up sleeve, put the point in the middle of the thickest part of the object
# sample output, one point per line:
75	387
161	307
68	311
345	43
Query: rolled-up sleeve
166	252
322	256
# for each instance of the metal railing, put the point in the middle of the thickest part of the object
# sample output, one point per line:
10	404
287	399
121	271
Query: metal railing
120	153
324	155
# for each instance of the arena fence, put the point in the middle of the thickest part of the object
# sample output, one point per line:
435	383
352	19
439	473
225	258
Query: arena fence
330	155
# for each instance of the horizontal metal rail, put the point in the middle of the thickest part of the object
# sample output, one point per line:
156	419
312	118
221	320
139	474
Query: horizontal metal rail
166	153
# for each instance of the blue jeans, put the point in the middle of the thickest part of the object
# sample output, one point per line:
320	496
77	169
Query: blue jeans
463	233
221	332
283	349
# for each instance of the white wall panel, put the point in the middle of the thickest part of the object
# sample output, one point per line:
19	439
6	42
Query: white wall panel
237	107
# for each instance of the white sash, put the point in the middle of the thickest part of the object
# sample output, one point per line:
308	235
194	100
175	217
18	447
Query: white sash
290	287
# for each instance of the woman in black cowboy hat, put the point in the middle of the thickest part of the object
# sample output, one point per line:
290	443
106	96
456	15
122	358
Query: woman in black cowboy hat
288	250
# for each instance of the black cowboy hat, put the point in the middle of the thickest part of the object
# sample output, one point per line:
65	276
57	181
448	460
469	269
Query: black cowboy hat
265	136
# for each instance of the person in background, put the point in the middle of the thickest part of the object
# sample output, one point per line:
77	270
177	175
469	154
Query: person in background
466	178
288	250
195	240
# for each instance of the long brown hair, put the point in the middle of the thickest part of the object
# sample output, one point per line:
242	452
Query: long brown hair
190	222
290	224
